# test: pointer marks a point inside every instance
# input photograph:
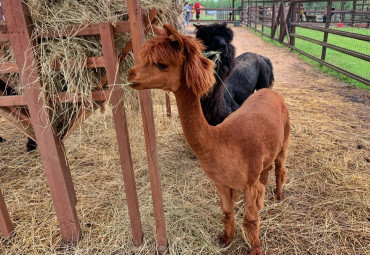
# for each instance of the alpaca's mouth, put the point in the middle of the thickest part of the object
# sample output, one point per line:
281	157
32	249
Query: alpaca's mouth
132	84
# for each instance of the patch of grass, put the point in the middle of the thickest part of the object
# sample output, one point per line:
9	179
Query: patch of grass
344	61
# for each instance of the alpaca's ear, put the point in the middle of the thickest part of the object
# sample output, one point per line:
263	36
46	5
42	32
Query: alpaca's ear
157	30
197	26
198	70
174	36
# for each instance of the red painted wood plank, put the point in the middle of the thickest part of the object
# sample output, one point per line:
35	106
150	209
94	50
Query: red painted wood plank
6	226
63	97
9	67
20	115
137	34
92	62
99	95
51	149
12	101
79	30
4	38
168	105
113	77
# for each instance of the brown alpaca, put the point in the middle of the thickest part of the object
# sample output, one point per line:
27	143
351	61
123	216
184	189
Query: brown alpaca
236	154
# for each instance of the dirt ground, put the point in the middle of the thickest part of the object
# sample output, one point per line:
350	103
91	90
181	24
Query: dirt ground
325	209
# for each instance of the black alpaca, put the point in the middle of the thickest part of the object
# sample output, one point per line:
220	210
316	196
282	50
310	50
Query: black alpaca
236	78
6	90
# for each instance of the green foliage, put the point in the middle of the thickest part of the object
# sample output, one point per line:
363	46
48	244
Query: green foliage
219	3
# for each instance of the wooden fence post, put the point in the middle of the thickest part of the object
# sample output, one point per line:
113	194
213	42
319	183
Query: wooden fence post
273	21
6	226
256	16
353	15
282	22
250	13
294	17
119	116
263	14
51	148
168	105
327	23
137	34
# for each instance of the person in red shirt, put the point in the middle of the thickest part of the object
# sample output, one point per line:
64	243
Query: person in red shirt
197	9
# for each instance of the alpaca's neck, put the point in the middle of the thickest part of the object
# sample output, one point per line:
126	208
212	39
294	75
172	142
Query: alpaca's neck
197	131
214	105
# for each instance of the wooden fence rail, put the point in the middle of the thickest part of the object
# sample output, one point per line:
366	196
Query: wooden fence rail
284	18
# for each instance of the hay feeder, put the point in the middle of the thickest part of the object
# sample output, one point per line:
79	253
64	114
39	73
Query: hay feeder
30	111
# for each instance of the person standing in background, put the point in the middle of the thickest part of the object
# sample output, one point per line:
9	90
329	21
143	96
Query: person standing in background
188	12
301	12
197	10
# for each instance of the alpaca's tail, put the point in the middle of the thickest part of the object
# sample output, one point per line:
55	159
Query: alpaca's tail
266	75
271	79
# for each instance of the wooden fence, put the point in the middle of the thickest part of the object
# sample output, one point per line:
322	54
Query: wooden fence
228	15
281	18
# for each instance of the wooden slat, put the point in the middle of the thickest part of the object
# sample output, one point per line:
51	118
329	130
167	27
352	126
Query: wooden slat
83	114
18	123
334	31
12	101
99	95
334	47
21	115
125	51
92	62
6	226
63	97
168	104
137	35
4	38
338	69
79	30
8	68
118	110
50	147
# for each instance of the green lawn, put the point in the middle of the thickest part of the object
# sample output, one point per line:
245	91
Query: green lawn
349	63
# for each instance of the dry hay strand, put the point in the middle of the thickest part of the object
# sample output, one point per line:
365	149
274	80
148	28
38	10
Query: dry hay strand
71	52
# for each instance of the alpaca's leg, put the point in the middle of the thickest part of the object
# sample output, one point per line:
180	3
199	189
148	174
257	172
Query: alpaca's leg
227	206
280	172
31	145
251	217
264	177
234	195
260	196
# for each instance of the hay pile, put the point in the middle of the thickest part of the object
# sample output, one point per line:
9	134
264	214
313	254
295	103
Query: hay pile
77	81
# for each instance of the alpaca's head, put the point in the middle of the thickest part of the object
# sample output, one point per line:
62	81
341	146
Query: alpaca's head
171	60
215	36
218	37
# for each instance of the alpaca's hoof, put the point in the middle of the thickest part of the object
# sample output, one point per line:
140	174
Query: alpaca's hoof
31	145
2	140
278	196
224	240
256	251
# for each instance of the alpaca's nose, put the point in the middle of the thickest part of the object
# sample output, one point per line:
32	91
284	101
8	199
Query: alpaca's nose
221	43
131	74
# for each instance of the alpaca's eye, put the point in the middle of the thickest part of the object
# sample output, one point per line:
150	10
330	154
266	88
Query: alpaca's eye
161	66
